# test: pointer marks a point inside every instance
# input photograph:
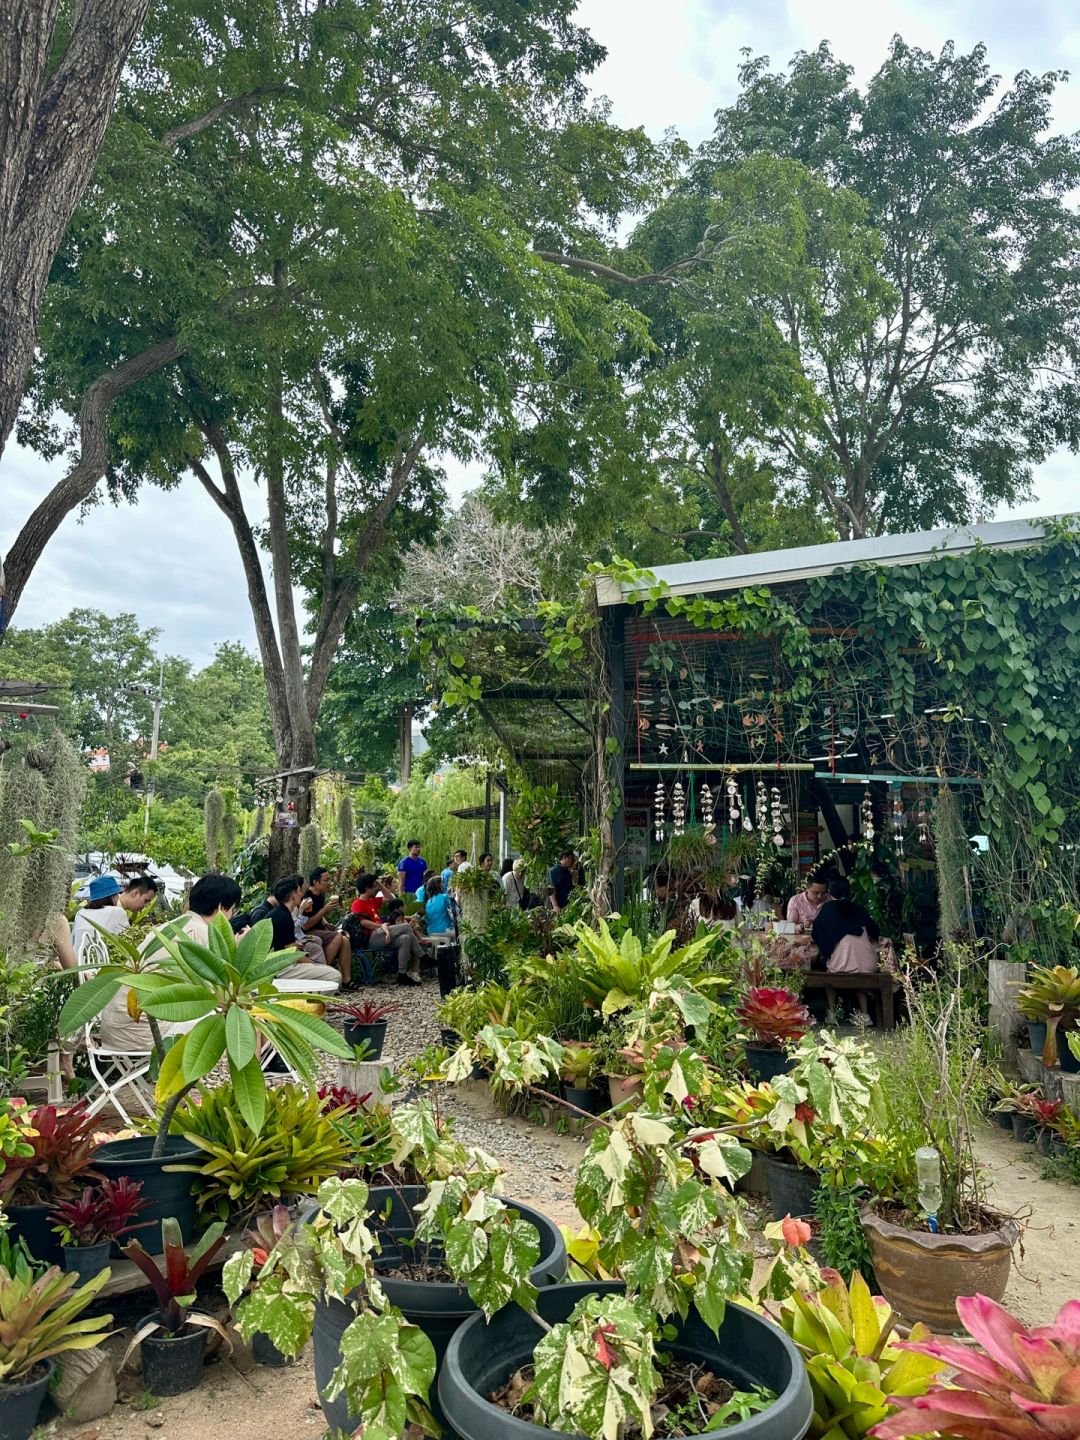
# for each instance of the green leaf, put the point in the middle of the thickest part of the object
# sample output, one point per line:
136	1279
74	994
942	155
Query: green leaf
88	1000
314	1031
241	1038
249	1087
254	947
178	1002
205	1047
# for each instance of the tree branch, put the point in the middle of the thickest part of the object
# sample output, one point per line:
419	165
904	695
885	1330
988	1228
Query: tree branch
714	468
232	105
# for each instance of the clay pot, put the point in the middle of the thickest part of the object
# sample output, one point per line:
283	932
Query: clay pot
922	1275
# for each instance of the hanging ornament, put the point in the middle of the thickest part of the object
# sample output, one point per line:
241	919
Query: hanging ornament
922	819
777	813
706	796
761	808
898	823
867	814
659	825
734	810
678	808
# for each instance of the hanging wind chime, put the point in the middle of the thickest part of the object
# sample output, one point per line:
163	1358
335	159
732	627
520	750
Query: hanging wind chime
922	819
659	823
866	811
707	805
761	808
777	817
898	824
733	803
678	808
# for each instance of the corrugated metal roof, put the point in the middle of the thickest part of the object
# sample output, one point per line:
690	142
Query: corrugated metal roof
780	567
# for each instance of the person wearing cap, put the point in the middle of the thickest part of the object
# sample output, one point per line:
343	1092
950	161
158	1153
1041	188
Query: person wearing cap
110	908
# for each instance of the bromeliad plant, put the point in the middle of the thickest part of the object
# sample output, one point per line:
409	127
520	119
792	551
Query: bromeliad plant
227	986
39	1318
618	975
102	1212
242	1171
857	1371
52	1156
175	1288
774	1017
1053	995
1020	1384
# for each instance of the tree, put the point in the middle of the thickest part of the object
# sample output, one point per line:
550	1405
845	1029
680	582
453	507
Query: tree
343	253
59	68
956	373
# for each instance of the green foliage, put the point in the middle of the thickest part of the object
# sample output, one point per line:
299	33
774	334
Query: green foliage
842	1241
48	1154
43	787
617	976
227	986
310	852
542	823
213	817
422	808
597	1372
40	1318
488	1247
243	1172
844	1335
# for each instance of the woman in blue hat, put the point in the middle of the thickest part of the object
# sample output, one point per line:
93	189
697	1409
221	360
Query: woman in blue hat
109	908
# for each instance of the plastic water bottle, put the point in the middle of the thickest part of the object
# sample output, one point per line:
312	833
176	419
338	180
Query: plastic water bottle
928	1174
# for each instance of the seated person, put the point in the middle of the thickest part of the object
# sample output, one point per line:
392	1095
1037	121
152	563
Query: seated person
844	933
718	912
281	907
803	909
381	934
316	905
440	910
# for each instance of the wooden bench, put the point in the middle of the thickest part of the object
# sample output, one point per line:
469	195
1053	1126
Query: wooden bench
883	985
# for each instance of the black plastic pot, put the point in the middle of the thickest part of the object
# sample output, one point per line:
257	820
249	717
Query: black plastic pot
583	1097
20	1403
1058	1148
1036	1035
1004	1119
765	1063
32	1224
749	1351
1042	1140
1066	1059
791	1187
438	1309
374	1035
87	1260
266	1352
172	1364
450	1038
167	1192
1024	1128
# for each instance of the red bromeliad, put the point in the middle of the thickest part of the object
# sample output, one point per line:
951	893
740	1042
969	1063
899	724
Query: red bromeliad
775	1016
103	1212
369	1013
1020	1385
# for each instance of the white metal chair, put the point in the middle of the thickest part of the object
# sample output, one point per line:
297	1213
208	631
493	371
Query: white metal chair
113	1070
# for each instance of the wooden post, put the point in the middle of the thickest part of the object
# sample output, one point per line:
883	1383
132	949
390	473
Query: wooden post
1005	978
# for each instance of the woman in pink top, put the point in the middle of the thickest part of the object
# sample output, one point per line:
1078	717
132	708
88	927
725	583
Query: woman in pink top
804	908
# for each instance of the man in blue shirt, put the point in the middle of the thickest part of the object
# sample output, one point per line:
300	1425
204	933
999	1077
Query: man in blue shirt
411	869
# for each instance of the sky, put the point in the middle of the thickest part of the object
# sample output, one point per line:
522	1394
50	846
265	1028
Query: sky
171	560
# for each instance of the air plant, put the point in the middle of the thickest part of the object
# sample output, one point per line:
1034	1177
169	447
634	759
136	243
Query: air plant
102	1212
1020	1385
775	1016
176	1288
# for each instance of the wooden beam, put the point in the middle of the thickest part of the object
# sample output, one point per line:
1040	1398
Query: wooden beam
18	707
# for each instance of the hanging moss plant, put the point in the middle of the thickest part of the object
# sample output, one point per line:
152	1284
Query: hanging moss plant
953	862
346	828
310	848
213	821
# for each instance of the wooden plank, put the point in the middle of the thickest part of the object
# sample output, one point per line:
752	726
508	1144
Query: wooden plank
126	1276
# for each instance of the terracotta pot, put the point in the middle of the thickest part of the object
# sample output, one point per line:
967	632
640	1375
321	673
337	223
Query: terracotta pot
624	1087
922	1275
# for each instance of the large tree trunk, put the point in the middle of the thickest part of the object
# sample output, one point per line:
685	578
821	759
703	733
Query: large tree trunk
51	128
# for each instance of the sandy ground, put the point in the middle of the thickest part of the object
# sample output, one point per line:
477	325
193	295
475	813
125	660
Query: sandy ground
265	1404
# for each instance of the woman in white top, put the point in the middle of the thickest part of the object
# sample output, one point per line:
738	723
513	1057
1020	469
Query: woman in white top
109	908
513	884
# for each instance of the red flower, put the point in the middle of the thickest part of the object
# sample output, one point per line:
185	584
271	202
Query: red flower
804	1113
795	1232
604	1353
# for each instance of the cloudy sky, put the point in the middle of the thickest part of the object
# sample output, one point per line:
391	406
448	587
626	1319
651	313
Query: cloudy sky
171	558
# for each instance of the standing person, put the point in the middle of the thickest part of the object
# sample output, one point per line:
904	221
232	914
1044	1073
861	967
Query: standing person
561	880
514	887
314	908
803	909
456	861
411	869
487	860
381	935
844	934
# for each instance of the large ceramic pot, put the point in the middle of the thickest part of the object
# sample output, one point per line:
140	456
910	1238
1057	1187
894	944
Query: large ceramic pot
437	1308
749	1351
922	1275
167	1191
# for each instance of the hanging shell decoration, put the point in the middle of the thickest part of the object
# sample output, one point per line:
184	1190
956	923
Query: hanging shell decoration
707	804
867	814
678	808
922	818
734	810
777	810
659	805
761	807
898	822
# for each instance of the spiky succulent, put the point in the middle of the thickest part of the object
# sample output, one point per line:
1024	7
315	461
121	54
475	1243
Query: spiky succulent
1020	1384
775	1016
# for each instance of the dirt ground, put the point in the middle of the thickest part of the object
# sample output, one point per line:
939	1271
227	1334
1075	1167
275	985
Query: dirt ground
237	1403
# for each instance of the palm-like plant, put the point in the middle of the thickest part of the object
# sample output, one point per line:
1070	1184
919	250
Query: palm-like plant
39	1318
227	986
1051	994
617	974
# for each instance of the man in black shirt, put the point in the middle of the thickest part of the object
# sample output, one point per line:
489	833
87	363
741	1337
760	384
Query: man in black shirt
561	880
279	908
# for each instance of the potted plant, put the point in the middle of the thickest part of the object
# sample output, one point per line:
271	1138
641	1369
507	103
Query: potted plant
366	1024
172	1339
40	1319
1052	996
240	1172
89	1224
268	1232
846	1337
52	1162
1017	1382
576	1073
226	986
933	1090
775	1018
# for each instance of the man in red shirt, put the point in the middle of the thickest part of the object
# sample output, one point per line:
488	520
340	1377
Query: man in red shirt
367	907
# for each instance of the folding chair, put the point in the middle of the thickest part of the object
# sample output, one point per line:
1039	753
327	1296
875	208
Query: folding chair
113	1070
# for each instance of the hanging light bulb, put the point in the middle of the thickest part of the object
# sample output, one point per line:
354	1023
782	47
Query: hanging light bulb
867	813
678	808
659	824
707	804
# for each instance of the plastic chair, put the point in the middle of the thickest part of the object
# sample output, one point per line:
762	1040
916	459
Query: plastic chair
113	1070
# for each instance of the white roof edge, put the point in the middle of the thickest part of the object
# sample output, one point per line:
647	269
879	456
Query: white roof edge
804	562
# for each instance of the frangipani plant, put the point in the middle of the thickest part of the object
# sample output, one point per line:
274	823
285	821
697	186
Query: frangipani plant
227	986
1020	1384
